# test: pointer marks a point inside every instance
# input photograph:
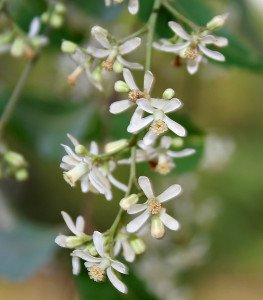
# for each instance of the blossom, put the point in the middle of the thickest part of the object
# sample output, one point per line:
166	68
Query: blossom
122	242
98	267
194	46
135	93
133	5
158	121
153	208
76	241
113	51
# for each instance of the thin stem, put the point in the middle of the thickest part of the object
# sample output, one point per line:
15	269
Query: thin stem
135	34
15	96
151	26
178	15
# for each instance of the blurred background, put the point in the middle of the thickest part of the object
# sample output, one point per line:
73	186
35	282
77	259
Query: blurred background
218	253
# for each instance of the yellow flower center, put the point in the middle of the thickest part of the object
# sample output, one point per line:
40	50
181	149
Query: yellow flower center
163	168
134	95
158	127
155	207
107	65
96	273
191	54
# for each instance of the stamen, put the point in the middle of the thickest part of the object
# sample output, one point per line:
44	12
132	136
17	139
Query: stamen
190	54
72	78
158	127
107	65
155	207
163	168
96	273
134	95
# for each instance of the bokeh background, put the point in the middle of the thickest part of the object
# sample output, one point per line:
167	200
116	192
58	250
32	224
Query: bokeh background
218	254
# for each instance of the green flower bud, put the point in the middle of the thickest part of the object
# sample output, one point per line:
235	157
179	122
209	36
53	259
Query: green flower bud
138	245
157	228
91	249
177	142
115	146
121	87
168	94
73	241
18	47
126	202
60	8
56	20
68	47
97	74
80	149
217	22
15	159
21	175
45	17
117	67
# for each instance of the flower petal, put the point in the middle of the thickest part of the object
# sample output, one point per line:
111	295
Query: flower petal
129	79
85	183
97	52
131	65
120	106
192	66
73	140
85	255
172	48
173	191
98	243
178	29
145	105
129	45
120	267
71	153
150	138
135	208
183	153
102	39
119	285
174	126
118	184
133	6
128	252
139	124
212	54
166	142
169	221
172	105
76	265
34	27
146	186
117	248
94	149
69	222
138	222
220	41
148	82
61	241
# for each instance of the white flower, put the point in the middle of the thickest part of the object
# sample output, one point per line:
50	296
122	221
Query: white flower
135	93
113	51
158	121
76	241
99	266
153	208
195	46
133	5
122	241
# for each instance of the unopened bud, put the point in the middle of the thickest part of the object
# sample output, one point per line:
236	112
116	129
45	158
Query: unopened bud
126	202
68	47
117	67
15	159
96	29
96	74
45	17
115	146
118	1
121	87
73	241
138	245
18	47
80	149
168	94
177	142
217	22
56	20
60	8
157	228
91	249
21	175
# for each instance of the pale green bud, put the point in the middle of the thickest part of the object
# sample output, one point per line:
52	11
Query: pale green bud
118	1
73	241
5	37
126	202
97	74
68	47
217	22
91	249
15	159
117	67
45	17
80	149
115	146
35	42
97	28
177	142
60	8
18	47
121	87
168	94
56	20
21	175
157	228
138	245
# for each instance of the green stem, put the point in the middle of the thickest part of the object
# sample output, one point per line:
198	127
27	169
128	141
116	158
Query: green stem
151	26
15	96
178	15
135	34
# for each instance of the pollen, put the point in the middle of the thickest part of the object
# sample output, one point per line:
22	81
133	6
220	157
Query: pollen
163	168
107	65
158	127
96	273
134	95
155	207
191	54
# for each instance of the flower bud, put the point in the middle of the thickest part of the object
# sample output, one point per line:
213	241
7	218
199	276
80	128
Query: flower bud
121	87
217	22
45	17
56	20
97	28
138	245
80	149
168	94
75	173
18	47
115	146
68	47
96	74
117	67
118	1
15	159
21	175
157	228
60	8
73	241
177	142
91	249
126	202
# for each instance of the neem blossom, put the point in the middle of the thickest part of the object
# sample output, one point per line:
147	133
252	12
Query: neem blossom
133	5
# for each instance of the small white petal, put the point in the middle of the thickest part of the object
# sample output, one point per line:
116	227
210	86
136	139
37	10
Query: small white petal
118	184
120	106
169	221
117	248
75	265
220	41
129	45
69	223
129	79
73	140
80	223
120	267
71	153
102	39
65	167
172	105
172	48
86	256
94	149
192	66
85	183
119	285
131	65
61	241
98	243
212	54
135	208
139	124
128	252
145	105
146	186
148	82
89	264
137	115
166	142
107	2
34	27
133	6
173	191
174	126
96	52
183	153
150	138
138	222
178	29
158	103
